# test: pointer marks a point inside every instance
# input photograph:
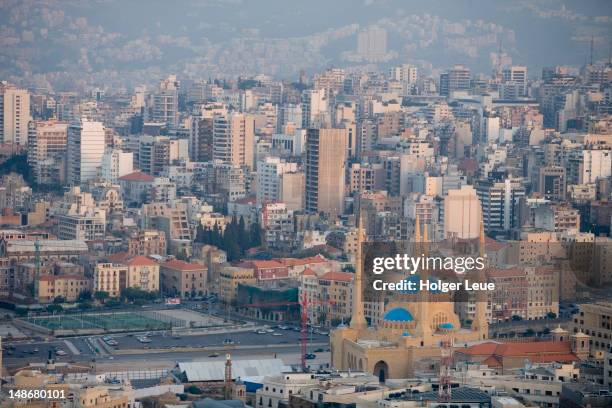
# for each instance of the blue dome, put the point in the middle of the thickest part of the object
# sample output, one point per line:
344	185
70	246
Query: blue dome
446	326
406	334
398	314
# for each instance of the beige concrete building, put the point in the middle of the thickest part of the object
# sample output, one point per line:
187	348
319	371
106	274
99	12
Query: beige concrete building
528	292
68	287
229	279
326	152
335	292
595	320
462	213
183	279
110	278
143	273
84	396
46	147
147	242
234	139
14	114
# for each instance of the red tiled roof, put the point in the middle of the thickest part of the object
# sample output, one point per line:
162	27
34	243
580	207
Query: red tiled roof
302	261
338	276
535	351
482	349
119	257
265	264
308	272
137	176
141	260
182	265
492	362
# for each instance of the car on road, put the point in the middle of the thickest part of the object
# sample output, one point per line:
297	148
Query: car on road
60	352
228	342
144	339
319	350
261	332
310	356
213	355
269	330
277	334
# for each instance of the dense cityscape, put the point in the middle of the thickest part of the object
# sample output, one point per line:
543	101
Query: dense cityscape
206	232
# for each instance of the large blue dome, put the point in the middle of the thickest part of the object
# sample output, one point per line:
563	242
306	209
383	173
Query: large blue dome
398	314
446	326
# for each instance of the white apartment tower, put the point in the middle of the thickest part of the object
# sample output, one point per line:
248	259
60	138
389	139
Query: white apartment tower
269	178
234	139
14	114
84	151
165	102
116	163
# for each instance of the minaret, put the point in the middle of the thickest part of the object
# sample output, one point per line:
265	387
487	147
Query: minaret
358	321
227	387
480	322
422	301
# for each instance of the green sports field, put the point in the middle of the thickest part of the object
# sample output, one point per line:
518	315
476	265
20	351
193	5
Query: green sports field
106	321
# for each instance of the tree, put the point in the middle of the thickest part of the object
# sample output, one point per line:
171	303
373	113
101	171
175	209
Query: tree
243	237
85	305
551	315
84	295
336	239
21	311
529	332
516	318
59	299
54	308
101	296
255	234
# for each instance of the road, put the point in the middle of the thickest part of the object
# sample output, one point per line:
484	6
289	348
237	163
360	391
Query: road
163	348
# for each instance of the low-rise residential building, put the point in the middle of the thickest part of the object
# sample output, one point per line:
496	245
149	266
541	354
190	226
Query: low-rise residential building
183	279
110	278
229	279
147	242
143	273
67	287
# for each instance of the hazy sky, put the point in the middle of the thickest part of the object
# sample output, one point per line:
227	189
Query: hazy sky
49	41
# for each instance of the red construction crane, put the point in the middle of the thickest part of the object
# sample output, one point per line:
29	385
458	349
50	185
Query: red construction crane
444	380
304	304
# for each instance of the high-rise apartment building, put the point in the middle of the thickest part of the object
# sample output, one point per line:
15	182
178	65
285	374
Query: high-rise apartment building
116	163
588	165
326	151
47	142
314	108
500	202
462	213
201	132
455	79
14	114
84	151
269	178
165	102
234	139
516	74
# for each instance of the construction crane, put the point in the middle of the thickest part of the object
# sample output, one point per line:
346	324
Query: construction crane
304	304
444	381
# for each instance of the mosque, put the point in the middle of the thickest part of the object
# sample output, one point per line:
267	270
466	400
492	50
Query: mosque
411	332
